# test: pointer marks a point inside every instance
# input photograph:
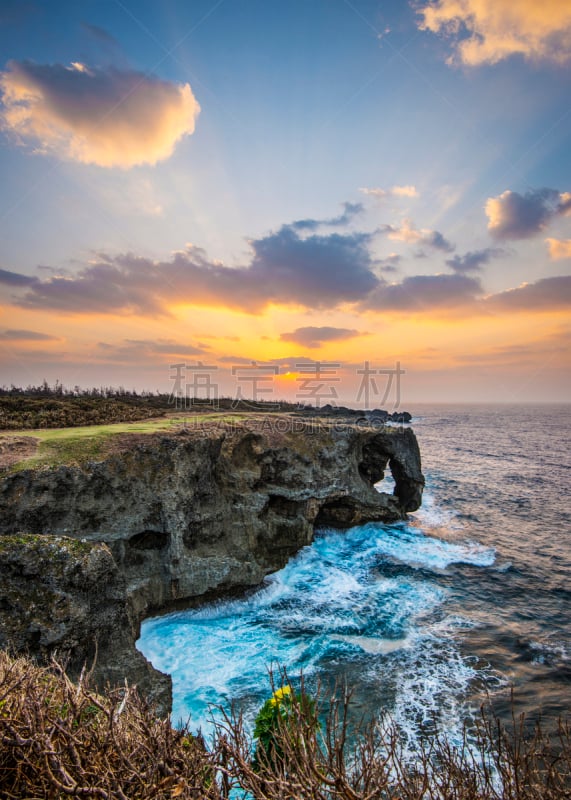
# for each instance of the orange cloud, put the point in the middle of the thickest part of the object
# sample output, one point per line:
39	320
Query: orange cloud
102	116
498	29
19	335
312	336
559	248
313	272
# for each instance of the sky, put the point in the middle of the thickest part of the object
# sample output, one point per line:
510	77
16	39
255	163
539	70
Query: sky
365	202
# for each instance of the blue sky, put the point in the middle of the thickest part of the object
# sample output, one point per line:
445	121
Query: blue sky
304	104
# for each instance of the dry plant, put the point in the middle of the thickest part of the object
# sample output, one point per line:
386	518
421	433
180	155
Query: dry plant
60	739
338	762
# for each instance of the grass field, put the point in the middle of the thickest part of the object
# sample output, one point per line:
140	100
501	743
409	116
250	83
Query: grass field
89	443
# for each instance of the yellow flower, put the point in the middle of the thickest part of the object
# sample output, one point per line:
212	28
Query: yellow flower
280	694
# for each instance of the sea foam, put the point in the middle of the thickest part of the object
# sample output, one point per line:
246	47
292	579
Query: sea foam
358	605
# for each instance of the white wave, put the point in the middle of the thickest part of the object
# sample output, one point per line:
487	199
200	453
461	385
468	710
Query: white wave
432	682
433	515
387	484
372	645
548	651
331	605
411	547
505	567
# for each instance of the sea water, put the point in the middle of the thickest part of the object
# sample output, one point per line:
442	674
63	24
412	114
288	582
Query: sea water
426	618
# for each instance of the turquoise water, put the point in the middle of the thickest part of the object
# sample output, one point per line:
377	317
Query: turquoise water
423	618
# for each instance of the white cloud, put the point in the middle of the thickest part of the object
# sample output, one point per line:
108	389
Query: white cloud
405	191
408	233
102	116
394	191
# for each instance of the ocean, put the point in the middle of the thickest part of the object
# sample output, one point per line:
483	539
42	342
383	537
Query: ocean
465	601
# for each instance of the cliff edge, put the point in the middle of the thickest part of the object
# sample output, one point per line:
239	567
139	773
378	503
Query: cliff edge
88	550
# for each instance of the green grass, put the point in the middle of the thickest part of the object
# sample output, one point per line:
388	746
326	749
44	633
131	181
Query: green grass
59	446
82	444
43	543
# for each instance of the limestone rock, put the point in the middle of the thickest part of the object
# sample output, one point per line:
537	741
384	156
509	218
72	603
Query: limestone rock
64	597
172	518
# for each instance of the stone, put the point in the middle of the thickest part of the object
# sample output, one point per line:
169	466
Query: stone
169	520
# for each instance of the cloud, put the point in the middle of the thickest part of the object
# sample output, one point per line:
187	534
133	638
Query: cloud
101	36
313	337
26	336
424	293
488	31
351	210
408	233
141	348
474	259
395	191
238	360
318	271
389	263
313	272
222	337
405	191
546	294
103	116
532	353
9	278
559	248
287	363
515	216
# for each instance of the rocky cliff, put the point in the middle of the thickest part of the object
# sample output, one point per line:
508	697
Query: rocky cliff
89	550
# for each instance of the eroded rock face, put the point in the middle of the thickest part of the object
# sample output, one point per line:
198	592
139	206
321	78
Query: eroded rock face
66	598
177	517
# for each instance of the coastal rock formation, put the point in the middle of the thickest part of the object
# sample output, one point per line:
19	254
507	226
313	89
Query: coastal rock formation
171	519
67	598
376	415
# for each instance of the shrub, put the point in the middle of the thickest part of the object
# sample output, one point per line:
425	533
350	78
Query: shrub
283	717
59	740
